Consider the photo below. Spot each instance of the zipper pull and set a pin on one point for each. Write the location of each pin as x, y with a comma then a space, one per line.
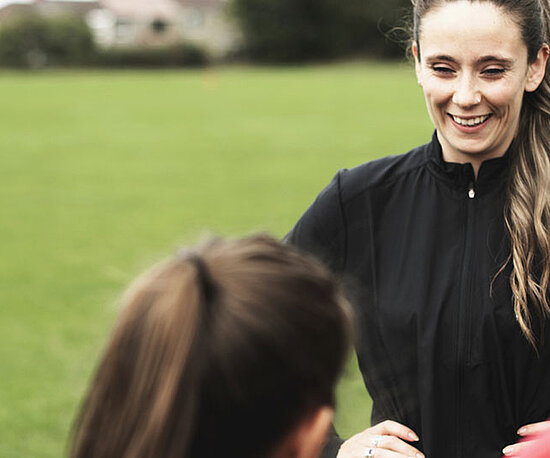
471, 191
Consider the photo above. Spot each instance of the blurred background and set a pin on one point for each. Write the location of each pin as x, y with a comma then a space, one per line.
129, 127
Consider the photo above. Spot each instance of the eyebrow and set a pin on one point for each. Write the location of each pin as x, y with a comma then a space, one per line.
483, 60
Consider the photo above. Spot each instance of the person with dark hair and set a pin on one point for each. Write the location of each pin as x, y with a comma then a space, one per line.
447, 247
230, 349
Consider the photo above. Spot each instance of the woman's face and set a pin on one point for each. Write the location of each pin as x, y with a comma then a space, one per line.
474, 71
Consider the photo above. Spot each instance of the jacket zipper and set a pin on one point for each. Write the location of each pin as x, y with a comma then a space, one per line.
471, 191
463, 325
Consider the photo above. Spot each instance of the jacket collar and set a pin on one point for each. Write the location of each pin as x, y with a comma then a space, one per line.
492, 174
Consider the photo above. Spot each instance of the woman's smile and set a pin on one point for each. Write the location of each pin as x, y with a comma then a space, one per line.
470, 123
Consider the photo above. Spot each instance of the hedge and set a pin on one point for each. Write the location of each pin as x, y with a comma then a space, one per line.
34, 42
298, 30
181, 55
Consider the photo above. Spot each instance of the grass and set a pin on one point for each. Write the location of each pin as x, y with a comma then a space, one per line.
102, 173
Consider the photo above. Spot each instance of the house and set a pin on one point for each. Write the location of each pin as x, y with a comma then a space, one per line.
12, 9
136, 23
210, 24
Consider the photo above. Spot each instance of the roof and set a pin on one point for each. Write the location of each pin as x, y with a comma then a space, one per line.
73, 7
4, 3
203, 4
12, 10
143, 9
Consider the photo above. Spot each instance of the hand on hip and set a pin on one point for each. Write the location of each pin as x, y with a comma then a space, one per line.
388, 439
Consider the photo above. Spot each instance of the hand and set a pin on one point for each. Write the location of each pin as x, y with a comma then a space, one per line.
388, 438
525, 431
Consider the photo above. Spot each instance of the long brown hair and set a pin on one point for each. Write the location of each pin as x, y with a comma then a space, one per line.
219, 350
527, 211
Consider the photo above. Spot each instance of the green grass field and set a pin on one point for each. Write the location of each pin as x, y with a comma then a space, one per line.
102, 173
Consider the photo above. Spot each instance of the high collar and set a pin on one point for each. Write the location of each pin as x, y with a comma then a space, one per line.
491, 176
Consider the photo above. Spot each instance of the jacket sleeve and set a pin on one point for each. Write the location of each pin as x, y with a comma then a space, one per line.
332, 445
321, 231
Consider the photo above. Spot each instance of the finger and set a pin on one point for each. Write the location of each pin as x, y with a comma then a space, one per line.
385, 453
514, 449
534, 428
392, 428
395, 444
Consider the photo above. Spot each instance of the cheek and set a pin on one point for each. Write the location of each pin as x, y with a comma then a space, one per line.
505, 98
436, 104
435, 108
437, 92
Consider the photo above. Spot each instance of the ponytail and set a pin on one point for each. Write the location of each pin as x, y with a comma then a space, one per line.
152, 358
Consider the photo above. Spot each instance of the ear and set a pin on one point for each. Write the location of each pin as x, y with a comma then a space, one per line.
537, 70
417, 65
308, 438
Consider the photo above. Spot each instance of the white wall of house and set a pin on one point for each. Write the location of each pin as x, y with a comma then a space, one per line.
212, 29
111, 30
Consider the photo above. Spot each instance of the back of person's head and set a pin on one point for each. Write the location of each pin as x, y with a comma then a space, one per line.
230, 349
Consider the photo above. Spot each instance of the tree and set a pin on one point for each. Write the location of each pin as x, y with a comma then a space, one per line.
298, 30
33, 42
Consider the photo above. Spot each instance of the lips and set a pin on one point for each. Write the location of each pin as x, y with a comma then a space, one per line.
471, 121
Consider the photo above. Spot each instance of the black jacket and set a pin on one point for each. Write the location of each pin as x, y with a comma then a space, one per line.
418, 243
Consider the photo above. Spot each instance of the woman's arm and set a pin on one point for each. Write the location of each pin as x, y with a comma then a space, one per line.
321, 231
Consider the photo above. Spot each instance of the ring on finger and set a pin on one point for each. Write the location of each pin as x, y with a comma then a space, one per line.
369, 452
376, 440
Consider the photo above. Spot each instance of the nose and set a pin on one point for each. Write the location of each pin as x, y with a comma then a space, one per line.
466, 93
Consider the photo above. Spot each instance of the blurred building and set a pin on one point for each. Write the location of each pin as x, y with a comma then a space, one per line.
142, 23
136, 23
210, 24
13, 9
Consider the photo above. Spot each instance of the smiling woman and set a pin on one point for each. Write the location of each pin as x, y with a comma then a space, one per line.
448, 246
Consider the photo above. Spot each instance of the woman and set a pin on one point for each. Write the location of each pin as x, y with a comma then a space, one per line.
447, 247
231, 349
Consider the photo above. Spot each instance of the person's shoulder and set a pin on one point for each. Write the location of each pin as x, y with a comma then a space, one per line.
381, 172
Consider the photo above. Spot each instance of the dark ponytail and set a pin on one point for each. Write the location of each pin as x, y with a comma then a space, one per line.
130, 408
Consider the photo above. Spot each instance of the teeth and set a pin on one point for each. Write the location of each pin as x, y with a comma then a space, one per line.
470, 122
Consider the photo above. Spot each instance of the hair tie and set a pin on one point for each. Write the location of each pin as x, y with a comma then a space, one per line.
205, 279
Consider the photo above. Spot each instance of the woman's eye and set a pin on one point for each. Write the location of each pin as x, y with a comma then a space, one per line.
442, 70
494, 71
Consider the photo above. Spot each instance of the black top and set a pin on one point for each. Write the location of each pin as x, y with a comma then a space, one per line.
418, 242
